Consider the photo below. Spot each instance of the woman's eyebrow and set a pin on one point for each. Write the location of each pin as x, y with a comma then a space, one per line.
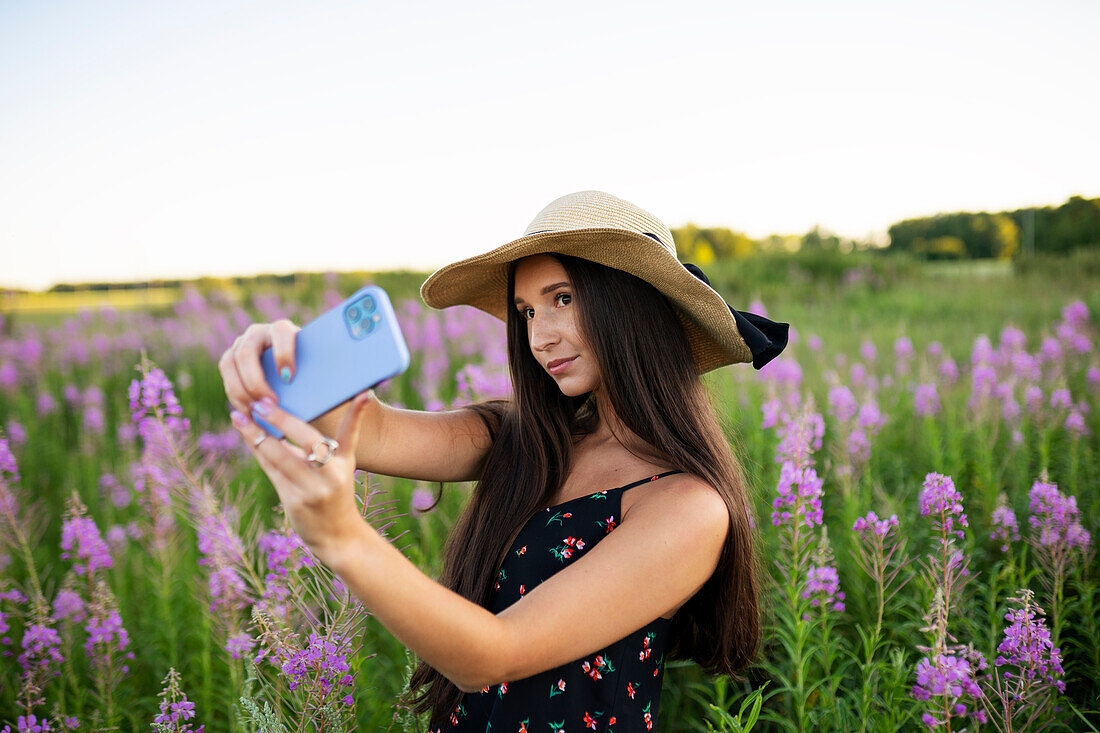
545, 290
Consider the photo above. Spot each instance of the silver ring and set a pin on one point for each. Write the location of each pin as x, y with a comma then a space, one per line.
257, 441
321, 459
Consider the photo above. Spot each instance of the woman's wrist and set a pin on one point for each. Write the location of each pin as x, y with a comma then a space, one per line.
351, 548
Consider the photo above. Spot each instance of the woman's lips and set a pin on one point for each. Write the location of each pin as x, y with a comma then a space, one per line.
559, 365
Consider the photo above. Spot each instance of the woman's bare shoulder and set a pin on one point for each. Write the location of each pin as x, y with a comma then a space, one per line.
681, 490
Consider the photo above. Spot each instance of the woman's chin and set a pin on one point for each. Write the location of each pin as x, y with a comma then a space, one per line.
571, 389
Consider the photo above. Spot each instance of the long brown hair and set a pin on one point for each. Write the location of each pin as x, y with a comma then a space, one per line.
657, 393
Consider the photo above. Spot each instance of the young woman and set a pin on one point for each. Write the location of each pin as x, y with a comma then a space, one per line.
609, 528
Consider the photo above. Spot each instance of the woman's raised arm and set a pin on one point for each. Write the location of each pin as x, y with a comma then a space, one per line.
429, 446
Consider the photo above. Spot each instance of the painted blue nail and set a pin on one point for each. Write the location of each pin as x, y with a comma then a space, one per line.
285, 374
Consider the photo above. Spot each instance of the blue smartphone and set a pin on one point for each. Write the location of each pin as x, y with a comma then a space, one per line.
342, 352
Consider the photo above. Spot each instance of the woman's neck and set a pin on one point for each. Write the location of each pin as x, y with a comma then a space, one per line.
610, 429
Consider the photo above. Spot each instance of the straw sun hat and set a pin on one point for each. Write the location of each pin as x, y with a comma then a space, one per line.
602, 228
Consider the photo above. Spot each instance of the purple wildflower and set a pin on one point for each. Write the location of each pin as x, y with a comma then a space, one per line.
106, 639
926, 400
1028, 667
45, 404
285, 552
940, 497
81, 541
40, 659
875, 551
114, 489
1027, 645
1055, 518
29, 724
320, 665
872, 525
823, 588
1061, 399
422, 500
9, 470
151, 396
799, 436
948, 371
17, 434
175, 708
950, 683
68, 606
240, 644
842, 403
1075, 425
1005, 527
799, 497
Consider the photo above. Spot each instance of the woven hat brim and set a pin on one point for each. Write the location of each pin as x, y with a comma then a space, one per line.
482, 281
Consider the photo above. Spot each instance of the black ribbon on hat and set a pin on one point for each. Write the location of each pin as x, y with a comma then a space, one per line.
766, 339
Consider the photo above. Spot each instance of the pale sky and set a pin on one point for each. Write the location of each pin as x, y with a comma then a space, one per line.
217, 137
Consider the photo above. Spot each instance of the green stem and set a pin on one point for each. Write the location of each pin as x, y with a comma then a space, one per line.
168, 630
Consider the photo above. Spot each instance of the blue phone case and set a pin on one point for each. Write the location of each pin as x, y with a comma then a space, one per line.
339, 354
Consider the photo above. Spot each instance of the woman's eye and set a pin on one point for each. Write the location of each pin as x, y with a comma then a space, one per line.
557, 299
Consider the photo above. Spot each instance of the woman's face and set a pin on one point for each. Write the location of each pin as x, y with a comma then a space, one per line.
545, 300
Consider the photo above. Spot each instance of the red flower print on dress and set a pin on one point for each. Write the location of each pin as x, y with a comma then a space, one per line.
458, 711
567, 515
523, 726
647, 717
608, 524
500, 577
557, 727
565, 550
521, 550
521, 589
598, 667
502, 690
644, 653
558, 688
589, 721
484, 689
632, 688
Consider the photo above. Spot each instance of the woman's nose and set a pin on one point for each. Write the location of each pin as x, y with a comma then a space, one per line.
544, 333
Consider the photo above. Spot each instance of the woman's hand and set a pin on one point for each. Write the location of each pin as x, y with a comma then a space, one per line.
242, 374
319, 500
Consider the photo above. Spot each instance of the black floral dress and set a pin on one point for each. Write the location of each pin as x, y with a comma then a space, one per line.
617, 689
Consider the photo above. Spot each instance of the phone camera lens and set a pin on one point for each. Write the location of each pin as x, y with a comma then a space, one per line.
353, 314
368, 304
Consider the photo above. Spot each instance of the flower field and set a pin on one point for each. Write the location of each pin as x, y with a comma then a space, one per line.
925, 490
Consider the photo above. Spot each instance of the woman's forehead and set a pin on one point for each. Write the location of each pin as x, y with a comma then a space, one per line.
534, 268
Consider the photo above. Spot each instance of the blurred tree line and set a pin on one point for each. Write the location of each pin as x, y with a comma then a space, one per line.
705, 245
1030, 231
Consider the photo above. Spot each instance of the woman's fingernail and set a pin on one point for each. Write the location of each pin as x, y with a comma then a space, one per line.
264, 406
238, 418
285, 374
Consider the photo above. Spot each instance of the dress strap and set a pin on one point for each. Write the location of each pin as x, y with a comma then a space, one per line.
651, 478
